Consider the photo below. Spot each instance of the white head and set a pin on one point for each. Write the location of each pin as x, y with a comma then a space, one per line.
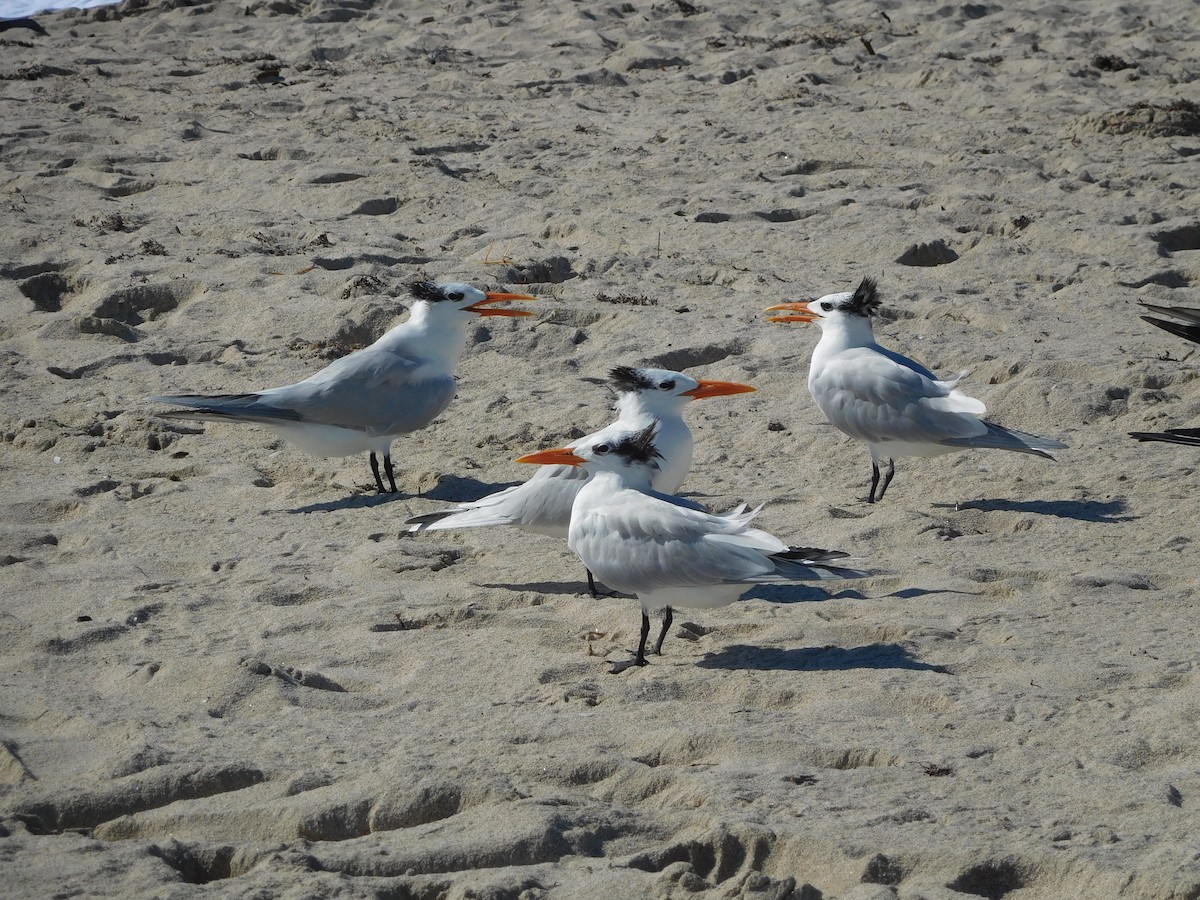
849, 310
663, 392
633, 455
456, 296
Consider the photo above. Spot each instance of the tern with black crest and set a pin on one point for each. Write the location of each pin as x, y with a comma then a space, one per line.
667, 551
362, 402
893, 404
542, 504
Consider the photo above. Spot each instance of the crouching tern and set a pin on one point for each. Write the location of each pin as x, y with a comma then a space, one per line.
543, 503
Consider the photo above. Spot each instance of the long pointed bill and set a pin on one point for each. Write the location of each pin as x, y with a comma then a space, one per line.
482, 307
560, 456
717, 389
800, 309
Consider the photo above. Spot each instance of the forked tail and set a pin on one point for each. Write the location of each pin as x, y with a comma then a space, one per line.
999, 438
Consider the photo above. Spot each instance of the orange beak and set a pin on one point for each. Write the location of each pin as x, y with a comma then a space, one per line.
560, 456
481, 308
800, 309
717, 389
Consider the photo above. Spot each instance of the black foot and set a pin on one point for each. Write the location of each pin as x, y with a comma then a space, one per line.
595, 589
619, 667
391, 474
640, 659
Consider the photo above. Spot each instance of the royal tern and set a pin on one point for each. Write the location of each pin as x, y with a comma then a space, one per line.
665, 550
363, 401
1188, 326
897, 406
543, 503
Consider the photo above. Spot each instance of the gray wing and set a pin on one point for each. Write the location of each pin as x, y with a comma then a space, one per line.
239, 407
873, 398
638, 543
375, 390
1188, 326
1189, 314
999, 438
543, 504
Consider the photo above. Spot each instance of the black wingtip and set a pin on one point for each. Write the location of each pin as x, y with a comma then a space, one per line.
1187, 436
32, 24
1187, 332
811, 554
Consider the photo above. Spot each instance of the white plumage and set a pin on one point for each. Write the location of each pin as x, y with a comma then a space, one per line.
543, 503
362, 402
668, 551
893, 404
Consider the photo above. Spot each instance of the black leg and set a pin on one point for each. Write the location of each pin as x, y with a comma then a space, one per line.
591, 583
668, 615
375, 472
391, 474
641, 654
887, 479
874, 481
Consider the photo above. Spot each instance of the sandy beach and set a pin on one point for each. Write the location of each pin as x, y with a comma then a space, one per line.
226, 669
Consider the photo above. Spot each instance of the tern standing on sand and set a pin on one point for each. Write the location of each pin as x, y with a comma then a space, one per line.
362, 402
893, 404
663, 549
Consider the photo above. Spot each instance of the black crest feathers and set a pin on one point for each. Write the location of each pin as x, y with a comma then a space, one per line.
426, 290
639, 447
627, 379
865, 300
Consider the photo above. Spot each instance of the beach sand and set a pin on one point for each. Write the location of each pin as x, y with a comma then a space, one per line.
226, 670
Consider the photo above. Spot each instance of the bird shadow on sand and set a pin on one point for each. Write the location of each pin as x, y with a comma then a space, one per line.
910, 593
351, 501
799, 593
354, 501
561, 588
1082, 510
453, 489
817, 659
449, 489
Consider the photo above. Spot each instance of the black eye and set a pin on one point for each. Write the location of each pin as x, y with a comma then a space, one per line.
667, 386
601, 449
827, 306
455, 295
